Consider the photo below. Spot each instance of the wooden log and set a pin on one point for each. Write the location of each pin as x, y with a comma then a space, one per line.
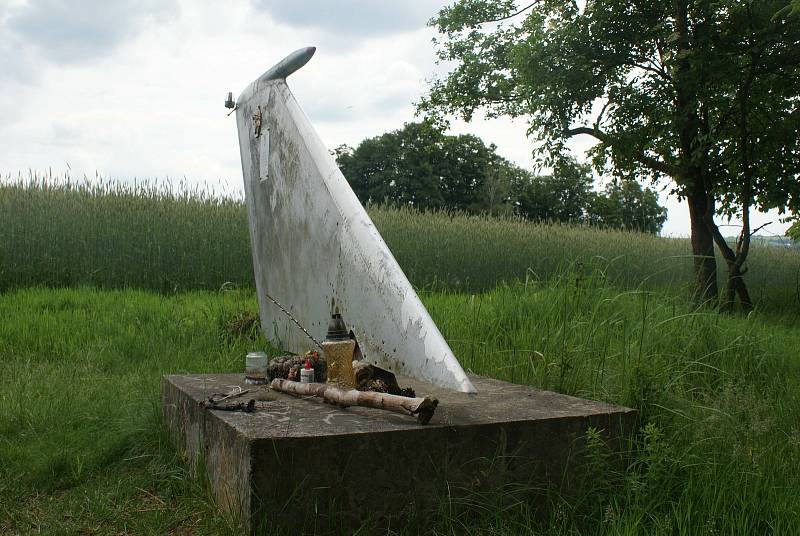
421, 408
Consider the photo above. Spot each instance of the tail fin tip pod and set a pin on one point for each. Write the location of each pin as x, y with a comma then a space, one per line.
289, 64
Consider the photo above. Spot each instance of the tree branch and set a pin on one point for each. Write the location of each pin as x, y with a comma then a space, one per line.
647, 161
723, 246
745, 146
757, 229
600, 115
652, 69
511, 16
654, 66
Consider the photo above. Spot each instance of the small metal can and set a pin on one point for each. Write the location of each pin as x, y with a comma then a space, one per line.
255, 372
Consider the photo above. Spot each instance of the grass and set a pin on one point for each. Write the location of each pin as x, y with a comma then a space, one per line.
597, 314
144, 235
59, 232
81, 445
81, 448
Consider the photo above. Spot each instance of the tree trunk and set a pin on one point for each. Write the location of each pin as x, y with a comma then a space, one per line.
694, 157
735, 259
705, 263
744, 295
736, 286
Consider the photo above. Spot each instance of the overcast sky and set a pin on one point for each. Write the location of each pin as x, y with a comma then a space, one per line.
136, 88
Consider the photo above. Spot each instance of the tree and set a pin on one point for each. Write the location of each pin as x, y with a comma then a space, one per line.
562, 196
501, 181
626, 205
793, 231
703, 93
567, 196
421, 166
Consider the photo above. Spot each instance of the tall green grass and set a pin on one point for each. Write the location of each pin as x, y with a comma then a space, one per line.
594, 313
473, 253
59, 232
718, 449
81, 445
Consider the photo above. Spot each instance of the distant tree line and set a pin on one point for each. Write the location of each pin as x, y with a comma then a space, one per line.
423, 167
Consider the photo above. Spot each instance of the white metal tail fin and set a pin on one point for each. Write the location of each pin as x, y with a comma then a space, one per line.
315, 247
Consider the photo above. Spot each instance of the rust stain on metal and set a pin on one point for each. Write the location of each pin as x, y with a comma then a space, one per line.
257, 123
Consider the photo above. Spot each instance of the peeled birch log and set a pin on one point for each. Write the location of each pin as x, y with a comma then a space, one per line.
421, 408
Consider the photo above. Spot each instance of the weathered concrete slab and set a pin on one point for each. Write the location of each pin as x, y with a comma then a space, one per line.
296, 459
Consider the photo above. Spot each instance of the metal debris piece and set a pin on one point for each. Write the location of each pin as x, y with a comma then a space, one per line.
247, 407
372, 378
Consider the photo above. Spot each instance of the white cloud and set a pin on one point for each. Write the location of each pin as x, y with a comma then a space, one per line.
64, 31
148, 102
353, 17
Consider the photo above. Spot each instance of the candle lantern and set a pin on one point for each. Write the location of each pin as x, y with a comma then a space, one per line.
338, 348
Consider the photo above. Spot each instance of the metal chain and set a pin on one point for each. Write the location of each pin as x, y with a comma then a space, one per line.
293, 319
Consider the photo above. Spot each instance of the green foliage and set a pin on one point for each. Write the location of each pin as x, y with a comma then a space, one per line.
422, 167
791, 9
557, 64
60, 232
793, 232
567, 196
564, 196
704, 93
81, 439
718, 448
626, 205
472, 253
81, 444
718, 439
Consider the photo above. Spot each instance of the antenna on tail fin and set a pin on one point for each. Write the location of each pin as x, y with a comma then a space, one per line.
280, 70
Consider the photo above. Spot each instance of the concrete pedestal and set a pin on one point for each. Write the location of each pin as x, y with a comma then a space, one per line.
306, 465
